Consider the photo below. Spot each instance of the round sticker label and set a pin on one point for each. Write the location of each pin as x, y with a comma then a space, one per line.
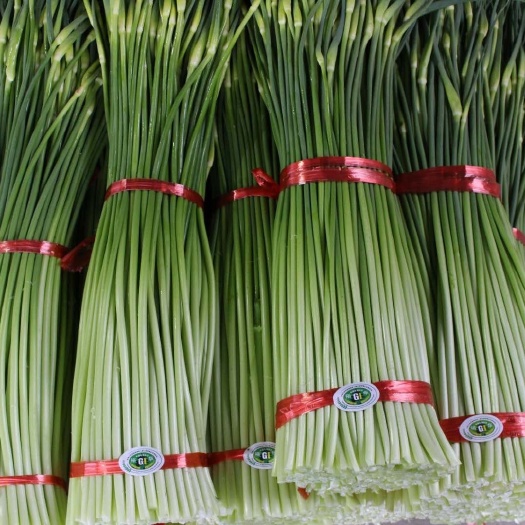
141, 461
356, 397
260, 455
480, 428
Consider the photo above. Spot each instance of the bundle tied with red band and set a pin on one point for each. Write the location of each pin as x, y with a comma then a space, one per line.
359, 314
454, 158
149, 314
242, 406
481, 326
155, 469
53, 132
345, 304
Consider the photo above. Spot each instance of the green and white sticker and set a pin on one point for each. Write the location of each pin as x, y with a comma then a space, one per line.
260, 455
141, 461
481, 428
356, 397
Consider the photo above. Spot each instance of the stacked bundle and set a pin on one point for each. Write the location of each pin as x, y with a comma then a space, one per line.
50, 137
242, 407
476, 276
147, 327
346, 302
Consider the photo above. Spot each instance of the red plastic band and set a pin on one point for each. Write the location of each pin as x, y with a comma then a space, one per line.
520, 236
513, 426
188, 460
38, 479
103, 468
303, 493
39, 247
168, 188
266, 187
337, 169
214, 458
292, 407
474, 179
78, 258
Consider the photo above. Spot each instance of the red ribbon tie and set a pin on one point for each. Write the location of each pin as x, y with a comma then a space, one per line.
474, 179
337, 169
161, 186
35, 479
266, 187
214, 458
297, 405
82, 469
39, 247
78, 258
519, 235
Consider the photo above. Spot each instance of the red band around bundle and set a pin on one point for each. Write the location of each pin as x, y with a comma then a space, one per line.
513, 426
78, 258
39, 247
292, 407
168, 188
266, 187
303, 493
474, 179
214, 458
520, 236
38, 479
337, 169
103, 468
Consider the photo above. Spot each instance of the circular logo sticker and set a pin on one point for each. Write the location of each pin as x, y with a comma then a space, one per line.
260, 455
356, 397
141, 461
480, 428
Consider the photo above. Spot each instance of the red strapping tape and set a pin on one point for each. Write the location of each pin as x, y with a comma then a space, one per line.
266, 187
398, 391
513, 426
103, 468
78, 258
520, 236
188, 460
37, 479
303, 493
168, 188
214, 458
39, 247
337, 169
475, 179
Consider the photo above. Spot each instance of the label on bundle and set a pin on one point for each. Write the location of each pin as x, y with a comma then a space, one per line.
356, 397
260, 455
480, 428
141, 461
